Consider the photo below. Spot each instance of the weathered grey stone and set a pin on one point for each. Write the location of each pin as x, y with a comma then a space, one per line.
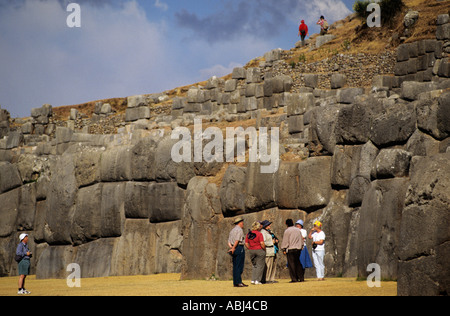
403, 52
27, 207
137, 202
394, 125
112, 209
10, 205
232, 191
323, 39
360, 175
341, 165
426, 208
443, 32
299, 103
95, 257
353, 124
420, 144
287, 185
273, 55
311, 80
315, 183
15, 139
166, 202
348, 95
137, 101
87, 165
115, 164
239, 73
338, 81
253, 75
412, 89
391, 163
295, 124
87, 220
61, 199
230, 85
259, 188
202, 200
443, 19
143, 156
137, 113
9, 177
53, 262
433, 117
379, 226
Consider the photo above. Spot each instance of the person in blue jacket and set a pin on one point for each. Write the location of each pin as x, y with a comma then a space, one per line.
23, 255
305, 259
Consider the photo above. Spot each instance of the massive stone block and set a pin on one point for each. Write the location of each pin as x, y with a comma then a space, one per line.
314, 183
9, 177
232, 191
61, 199
134, 252
423, 265
393, 125
112, 209
166, 202
87, 219
259, 188
116, 164
379, 226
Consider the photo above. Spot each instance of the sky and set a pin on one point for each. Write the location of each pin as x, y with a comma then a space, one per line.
130, 47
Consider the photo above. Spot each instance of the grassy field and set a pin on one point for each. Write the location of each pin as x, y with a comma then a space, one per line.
170, 285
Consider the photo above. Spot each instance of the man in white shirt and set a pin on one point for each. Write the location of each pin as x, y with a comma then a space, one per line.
318, 252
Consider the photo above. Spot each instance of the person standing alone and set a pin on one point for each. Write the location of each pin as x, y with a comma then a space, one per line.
236, 244
23, 255
303, 31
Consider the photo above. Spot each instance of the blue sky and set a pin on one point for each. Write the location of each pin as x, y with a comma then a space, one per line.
129, 47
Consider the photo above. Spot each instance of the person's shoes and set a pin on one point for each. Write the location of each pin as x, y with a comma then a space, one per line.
257, 283
240, 285
23, 292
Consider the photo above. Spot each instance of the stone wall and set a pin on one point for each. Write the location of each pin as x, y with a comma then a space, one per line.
371, 165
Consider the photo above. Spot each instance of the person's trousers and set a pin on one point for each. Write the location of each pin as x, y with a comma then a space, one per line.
318, 263
238, 264
258, 258
270, 269
296, 271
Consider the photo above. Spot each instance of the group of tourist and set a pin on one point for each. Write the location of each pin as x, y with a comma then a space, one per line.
263, 246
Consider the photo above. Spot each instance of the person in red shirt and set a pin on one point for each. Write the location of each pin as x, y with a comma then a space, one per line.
303, 31
254, 241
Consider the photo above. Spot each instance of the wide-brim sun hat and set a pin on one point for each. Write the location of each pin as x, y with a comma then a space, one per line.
22, 236
238, 220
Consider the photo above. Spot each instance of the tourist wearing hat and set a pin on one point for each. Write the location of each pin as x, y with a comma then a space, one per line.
318, 251
23, 255
269, 240
236, 244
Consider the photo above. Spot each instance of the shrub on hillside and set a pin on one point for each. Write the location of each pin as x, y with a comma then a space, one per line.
389, 9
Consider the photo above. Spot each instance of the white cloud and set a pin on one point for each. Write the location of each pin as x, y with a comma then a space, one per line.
161, 5
117, 52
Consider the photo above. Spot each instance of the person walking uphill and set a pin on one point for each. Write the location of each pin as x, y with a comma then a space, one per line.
236, 244
323, 25
292, 245
257, 249
23, 255
303, 31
